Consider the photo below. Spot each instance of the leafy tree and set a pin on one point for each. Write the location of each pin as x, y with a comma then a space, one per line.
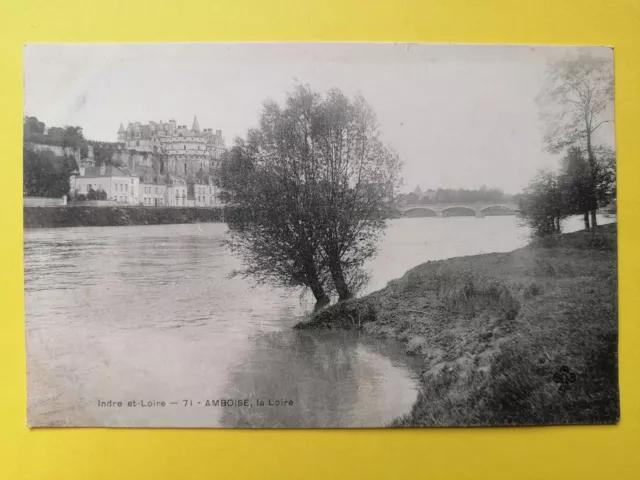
605, 174
96, 194
577, 177
576, 182
575, 102
73, 137
314, 183
103, 153
543, 204
34, 132
32, 126
56, 135
270, 228
357, 176
45, 174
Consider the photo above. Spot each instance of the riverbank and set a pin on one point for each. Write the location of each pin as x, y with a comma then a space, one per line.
83, 216
493, 330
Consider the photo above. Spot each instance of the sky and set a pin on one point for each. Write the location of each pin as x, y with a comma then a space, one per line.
459, 116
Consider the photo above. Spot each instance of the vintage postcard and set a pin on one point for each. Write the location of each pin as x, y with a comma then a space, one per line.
319, 235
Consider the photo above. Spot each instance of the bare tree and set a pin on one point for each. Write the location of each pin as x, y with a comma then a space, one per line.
314, 183
575, 102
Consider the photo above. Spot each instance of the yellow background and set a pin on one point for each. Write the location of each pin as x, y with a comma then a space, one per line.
516, 453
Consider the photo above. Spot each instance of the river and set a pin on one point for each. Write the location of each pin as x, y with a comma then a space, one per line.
148, 314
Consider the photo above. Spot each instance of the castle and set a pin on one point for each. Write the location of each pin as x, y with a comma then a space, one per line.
157, 164
185, 150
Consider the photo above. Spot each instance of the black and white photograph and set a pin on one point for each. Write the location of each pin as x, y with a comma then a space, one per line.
319, 235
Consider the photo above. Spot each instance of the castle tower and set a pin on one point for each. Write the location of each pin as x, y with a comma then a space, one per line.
196, 125
122, 134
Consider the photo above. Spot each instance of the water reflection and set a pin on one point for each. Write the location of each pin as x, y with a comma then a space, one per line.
332, 379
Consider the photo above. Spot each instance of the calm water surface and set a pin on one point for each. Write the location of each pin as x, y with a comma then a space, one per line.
148, 313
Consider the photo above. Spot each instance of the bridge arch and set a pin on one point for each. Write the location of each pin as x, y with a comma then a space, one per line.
421, 211
498, 209
458, 211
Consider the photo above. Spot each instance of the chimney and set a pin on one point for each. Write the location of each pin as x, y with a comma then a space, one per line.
103, 169
82, 170
218, 133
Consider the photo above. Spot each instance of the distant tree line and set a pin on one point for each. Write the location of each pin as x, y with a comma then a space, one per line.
460, 195
575, 102
34, 132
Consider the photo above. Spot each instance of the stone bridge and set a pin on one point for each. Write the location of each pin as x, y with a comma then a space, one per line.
441, 210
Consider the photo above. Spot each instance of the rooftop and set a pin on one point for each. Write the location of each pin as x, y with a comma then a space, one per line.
109, 171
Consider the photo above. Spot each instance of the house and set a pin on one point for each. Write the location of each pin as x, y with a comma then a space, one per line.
120, 184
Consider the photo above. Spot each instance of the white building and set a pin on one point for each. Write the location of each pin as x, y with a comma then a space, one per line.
176, 194
153, 194
119, 184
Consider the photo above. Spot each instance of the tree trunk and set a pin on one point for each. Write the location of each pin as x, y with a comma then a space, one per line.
558, 224
339, 281
321, 303
316, 287
322, 300
593, 194
586, 220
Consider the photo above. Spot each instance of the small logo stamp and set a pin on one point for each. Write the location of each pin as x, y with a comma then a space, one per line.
564, 377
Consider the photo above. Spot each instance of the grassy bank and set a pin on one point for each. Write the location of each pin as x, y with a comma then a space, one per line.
72, 216
494, 329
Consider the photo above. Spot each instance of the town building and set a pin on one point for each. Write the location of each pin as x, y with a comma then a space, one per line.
119, 184
169, 164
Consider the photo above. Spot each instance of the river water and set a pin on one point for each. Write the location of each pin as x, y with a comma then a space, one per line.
148, 314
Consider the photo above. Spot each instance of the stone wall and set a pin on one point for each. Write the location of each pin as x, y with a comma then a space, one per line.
82, 216
57, 150
44, 201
